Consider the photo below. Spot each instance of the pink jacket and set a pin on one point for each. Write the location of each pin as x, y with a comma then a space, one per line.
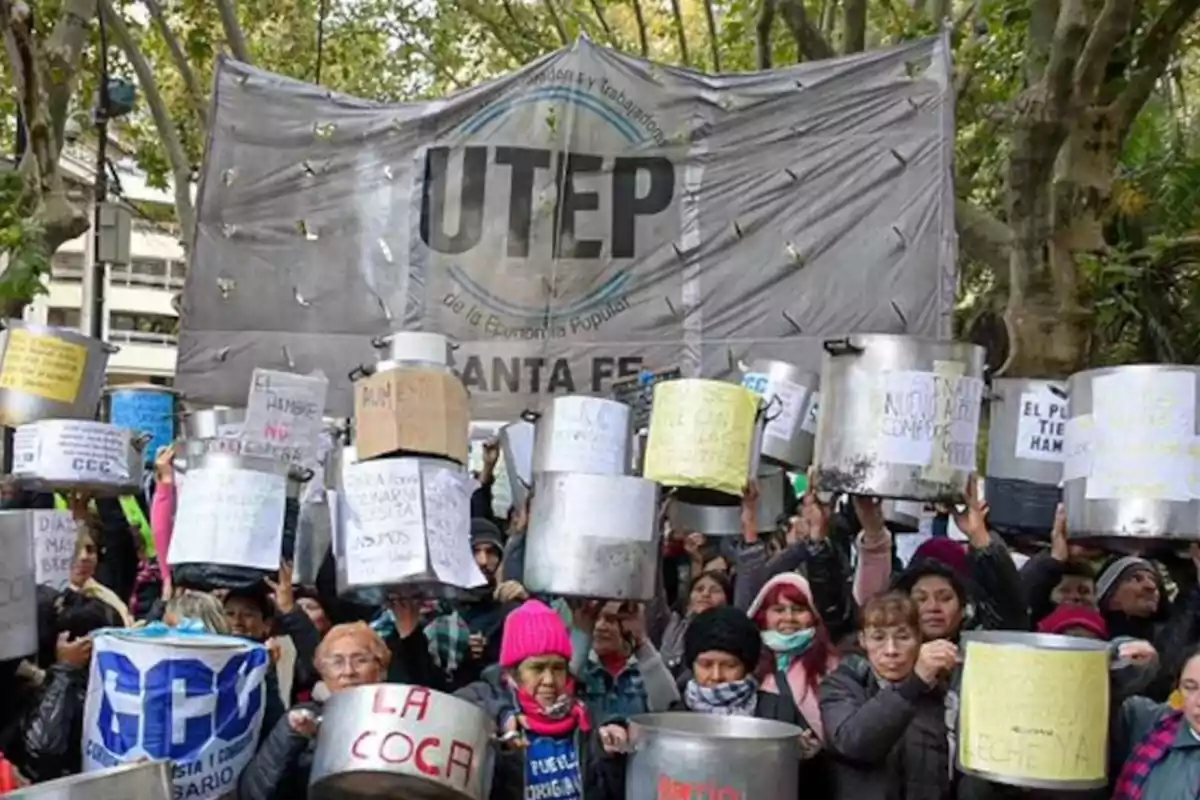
874, 570
162, 520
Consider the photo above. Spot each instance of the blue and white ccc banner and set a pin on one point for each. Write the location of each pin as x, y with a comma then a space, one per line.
192, 697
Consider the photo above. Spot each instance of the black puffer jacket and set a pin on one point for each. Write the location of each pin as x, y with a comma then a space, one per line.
50, 741
888, 742
281, 767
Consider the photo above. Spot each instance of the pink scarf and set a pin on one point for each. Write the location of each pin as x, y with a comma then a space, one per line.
807, 701
561, 719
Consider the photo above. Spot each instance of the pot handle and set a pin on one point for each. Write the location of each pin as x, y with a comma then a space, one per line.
842, 347
380, 342
1058, 392
304, 474
529, 415
140, 441
775, 403
110, 348
359, 372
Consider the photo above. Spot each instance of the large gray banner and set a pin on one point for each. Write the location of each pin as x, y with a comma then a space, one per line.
570, 224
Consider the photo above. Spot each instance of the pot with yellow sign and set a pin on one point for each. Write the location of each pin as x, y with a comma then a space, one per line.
50, 373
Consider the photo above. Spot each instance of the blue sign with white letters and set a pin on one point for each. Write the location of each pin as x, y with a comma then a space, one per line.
145, 411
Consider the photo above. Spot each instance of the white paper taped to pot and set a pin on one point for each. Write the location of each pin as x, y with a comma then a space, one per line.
790, 406
55, 534
382, 522
286, 411
927, 420
1077, 447
586, 434
229, 516
1041, 426
447, 493
72, 451
18, 596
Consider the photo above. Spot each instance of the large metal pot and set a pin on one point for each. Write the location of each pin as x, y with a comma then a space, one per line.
18, 600
581, 434
50, 373
683, 754
404, 529
899, 416
218, 422
64, 455
234, 521
516, 448
1058, 721
150, 780
704, 435
726, 520
412, 347
1026, 425
902, 516
786, 440
143, 408
593, 536
394, 740
1128, 474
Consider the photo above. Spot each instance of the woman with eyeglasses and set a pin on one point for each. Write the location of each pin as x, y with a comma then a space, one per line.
350, 655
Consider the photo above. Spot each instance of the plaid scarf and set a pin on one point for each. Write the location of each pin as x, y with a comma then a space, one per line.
1146, 756
733, 699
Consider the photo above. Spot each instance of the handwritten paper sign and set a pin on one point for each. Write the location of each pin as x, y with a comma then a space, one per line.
447, 492
929, 419
587, 434
54, 536
18, 601
70, 451
145, 411
383, 524
701, 433
789, 403
229, 516
1041, 426
1051, 721
43, 366
1145, 424
285, 411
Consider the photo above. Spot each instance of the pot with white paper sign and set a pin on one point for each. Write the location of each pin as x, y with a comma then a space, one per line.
789, 436
1129, 474
593, 536
234, 521
582, 434
899, 416
50, 373
218, 430
516, 448
394, 740
404, 529
18, 586
1027, 421
73, 455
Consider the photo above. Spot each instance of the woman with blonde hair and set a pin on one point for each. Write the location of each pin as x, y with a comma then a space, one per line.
200, 606
350, 655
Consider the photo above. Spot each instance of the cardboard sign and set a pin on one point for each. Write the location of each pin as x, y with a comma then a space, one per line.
43, 366
229, 516
285, 411
55, 534
145, 412
70, 451
18, 600
195, 699
411, 410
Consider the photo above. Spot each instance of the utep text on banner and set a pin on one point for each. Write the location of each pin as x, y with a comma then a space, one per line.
573, 223
194, 698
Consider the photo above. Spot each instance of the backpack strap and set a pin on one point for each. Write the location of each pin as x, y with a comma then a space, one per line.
788, 711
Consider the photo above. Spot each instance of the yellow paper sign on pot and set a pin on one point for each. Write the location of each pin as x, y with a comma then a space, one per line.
43, 366
1032, 713
701, 435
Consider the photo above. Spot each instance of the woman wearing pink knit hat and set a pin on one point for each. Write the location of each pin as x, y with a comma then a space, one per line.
549, 746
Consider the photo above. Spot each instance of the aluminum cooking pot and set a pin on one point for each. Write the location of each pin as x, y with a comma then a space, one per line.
581, 434
393, 740
899, 417
66, 455
145, 781
726, 520
407, 350
787, 438
682, 754
50, 373
1126, 479
18, 588
143, 408
516, 447
1027, 422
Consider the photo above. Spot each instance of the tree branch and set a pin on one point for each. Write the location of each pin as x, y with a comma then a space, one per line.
179, 58
854, 26
518, 26
608, 32
233, 31
563, 36
983, 238
640, 18
497, 34
62, 52
1112, 25
181, 168
681, 32
762, 31
1153, 55
713, 40
809, 41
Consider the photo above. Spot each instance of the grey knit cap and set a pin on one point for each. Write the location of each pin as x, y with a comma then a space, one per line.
1114, 572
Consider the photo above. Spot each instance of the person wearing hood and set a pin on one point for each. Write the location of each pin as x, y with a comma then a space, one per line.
350, 655
464, 636
550, 747
724, 648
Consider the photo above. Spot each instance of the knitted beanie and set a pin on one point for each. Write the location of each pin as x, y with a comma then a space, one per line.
533, 629
724, 629
951, 553
484, 532
1071, 616
1116, 571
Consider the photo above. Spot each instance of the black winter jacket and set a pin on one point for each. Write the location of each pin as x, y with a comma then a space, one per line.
281, 767
50, 744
